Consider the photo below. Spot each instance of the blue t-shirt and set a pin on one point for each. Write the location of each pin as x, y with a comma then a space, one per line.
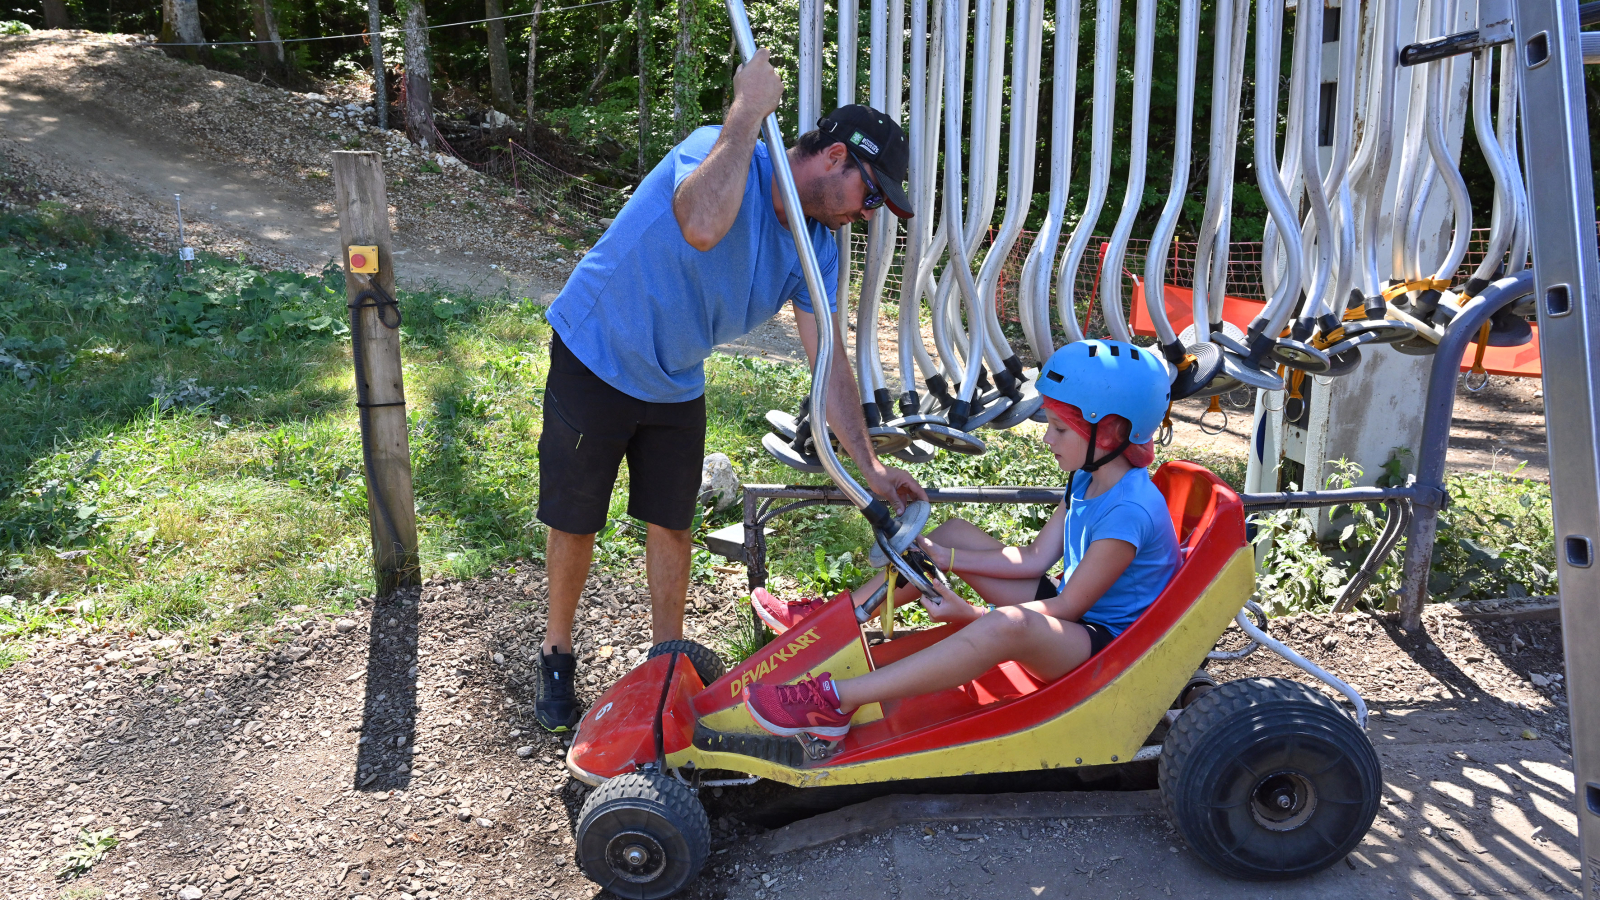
1133, 511
644, 308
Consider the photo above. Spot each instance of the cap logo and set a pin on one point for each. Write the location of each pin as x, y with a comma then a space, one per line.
864, 142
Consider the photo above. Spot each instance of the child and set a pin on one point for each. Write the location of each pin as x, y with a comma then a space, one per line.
1104, 401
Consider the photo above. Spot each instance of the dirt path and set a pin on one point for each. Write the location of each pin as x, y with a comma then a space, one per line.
391, 752
117, 130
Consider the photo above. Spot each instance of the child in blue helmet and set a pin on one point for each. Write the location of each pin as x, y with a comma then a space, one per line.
1104, 401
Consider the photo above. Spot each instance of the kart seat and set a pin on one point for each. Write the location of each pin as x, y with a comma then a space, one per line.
1209, 521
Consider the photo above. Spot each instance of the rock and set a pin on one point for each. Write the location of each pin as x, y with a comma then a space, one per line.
1539, 680
483, 823
499, 659
295, 654
230, 873
1528, 734
524, 752
344, 626
719, 484
191, 893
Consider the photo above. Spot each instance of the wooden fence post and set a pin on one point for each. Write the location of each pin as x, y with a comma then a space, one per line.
375, 345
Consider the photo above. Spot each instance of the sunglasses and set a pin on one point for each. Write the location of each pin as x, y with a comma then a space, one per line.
874, 197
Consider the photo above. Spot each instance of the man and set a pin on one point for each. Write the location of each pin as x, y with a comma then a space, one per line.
699, 256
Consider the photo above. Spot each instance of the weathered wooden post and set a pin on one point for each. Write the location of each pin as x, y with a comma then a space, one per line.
364, 241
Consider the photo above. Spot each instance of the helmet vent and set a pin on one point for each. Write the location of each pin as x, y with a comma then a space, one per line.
1134, 354
1054, 376
1114, 350
1094, 350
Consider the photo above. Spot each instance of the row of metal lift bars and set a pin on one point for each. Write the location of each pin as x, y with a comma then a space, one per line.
1329, 293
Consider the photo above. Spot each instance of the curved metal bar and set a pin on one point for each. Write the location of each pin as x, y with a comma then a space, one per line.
1374, 158
1509, 105
1037, 271
1276, 646
1440, 75
1314, 281
846, 95
919, 234
1255, 610
1435, 441
1144, 43
1501, 225
1273, 247
959, 260
1027, 34
881, 227
1337, 184
1411, 159
1264, 329
858, 495
1106, 24
1155, 264
1211, 255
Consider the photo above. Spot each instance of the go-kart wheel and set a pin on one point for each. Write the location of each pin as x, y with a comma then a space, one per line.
1268, 779
643, 836
707, 664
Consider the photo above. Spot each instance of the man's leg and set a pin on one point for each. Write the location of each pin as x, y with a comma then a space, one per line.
666, 554
567, 558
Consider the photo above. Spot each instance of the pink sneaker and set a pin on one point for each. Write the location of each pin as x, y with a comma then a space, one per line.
779, 615
810, 705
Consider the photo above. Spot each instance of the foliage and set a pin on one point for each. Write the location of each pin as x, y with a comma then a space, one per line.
1494, 539
740, 640
827, 577
91, 848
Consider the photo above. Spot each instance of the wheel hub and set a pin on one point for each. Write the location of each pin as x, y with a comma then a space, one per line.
636, 857
1283, 801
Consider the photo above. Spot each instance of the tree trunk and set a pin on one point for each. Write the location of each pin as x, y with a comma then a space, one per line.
419, 91
380, 90
180, 23
687, 70
55, 14
267, 30
499, 67
641, 28
604, 69
533, 58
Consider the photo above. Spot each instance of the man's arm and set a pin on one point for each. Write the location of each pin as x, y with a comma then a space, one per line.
707, 201
845, 419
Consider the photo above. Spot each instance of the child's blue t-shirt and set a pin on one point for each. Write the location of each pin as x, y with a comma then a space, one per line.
644, 307
1133, 511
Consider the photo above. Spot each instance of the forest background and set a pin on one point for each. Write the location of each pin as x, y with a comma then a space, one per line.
592, 113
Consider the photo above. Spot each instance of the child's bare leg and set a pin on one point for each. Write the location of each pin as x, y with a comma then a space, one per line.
1047, 646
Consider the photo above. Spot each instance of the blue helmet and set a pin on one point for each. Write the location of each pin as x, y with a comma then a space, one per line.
1101, 377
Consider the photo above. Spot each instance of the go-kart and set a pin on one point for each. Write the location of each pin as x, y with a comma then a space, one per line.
1265, 778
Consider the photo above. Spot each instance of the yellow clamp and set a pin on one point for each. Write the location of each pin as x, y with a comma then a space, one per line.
1421, 284
886, 615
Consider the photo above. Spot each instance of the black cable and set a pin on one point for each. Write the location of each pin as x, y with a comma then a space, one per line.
383, 302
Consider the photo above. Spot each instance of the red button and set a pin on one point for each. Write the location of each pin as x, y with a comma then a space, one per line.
358, 260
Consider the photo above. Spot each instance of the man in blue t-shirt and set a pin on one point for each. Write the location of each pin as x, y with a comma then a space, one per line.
699, 256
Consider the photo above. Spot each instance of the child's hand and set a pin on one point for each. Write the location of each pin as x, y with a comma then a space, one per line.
953, 609
939, 556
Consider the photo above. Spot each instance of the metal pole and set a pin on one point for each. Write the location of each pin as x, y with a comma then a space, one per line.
876, 511
1566, 275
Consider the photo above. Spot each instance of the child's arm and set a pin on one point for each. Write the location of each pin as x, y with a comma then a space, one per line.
1007, 562
1103, 563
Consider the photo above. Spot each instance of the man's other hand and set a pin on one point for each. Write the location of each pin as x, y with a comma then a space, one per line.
896, 486
757, 89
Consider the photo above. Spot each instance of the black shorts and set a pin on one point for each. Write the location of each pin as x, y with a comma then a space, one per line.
590, 426
1099, 635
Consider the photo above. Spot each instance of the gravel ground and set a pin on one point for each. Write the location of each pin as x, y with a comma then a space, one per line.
390, 753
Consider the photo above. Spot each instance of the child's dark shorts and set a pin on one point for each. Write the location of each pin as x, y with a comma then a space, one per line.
1099, 635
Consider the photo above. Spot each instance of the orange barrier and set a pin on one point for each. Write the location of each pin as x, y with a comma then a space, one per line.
1518, 362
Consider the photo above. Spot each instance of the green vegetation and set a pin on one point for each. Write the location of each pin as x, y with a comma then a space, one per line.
92, 847
182, 453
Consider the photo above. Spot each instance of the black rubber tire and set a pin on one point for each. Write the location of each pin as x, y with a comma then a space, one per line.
1269, 739
707, 664
650, 815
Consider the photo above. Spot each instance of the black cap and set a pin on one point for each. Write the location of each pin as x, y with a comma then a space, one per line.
879, 141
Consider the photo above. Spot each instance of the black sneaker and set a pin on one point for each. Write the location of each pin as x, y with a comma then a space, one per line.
556, 706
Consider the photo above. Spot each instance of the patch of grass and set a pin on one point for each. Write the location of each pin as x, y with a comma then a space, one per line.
741, 641
92, 847
10, 655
